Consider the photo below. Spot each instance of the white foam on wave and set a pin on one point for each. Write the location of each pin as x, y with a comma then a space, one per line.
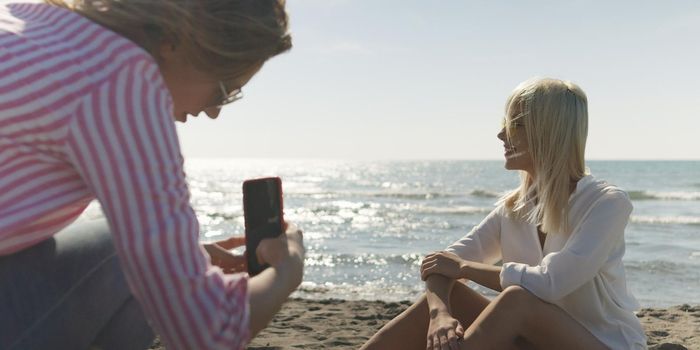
667, 220
368, 290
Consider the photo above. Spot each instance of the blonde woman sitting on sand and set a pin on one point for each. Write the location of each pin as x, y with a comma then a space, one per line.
560, 236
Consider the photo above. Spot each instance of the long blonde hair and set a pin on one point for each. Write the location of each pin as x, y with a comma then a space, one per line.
555, 116
222, 37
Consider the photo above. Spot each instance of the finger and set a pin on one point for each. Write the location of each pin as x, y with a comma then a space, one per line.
422, 267
259, 252
444, 344
428, 256
452, 339
238, 241
426, 264
459, 331
436, 342
427, 261
231, 243
272, 251
233, 261
437, 258
289, 227
431, 270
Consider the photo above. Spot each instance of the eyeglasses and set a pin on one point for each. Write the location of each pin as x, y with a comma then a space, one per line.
228, 97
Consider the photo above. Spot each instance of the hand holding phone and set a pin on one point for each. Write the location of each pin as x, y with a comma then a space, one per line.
264, 217
275, 251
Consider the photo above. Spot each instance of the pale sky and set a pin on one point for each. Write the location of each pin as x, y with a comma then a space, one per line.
420, 79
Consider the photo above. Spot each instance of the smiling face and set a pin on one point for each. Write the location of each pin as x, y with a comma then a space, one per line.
515, 143
194, 91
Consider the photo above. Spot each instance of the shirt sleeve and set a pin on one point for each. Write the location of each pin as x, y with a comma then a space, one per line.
123, 143
584, 254
483, 243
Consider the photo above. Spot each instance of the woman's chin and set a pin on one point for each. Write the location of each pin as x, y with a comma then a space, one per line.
511, 165
508, 164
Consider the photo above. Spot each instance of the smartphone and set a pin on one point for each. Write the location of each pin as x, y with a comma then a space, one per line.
263, 214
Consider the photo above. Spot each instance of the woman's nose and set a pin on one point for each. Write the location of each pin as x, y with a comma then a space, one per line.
502, 134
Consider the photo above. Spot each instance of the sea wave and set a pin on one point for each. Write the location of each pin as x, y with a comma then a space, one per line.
411, 195
456, 210
485, 194
649, 195
667, 220
378, 289
371, 290
658, 267
333, 260
399, 195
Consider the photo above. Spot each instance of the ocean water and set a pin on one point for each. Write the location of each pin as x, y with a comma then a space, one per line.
368, 224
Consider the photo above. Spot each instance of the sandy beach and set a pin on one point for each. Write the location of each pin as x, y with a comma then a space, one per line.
340, 324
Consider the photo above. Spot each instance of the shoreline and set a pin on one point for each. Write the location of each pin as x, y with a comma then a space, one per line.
344, 324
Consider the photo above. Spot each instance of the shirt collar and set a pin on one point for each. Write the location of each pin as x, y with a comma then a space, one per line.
581, 185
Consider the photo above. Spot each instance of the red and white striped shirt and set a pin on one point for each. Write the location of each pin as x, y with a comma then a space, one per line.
85, 114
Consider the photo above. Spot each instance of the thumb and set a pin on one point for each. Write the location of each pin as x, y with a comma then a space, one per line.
259, 253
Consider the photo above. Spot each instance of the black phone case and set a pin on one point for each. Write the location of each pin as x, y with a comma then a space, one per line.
269, 230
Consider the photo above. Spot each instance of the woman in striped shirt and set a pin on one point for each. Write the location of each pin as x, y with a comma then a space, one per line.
88, 93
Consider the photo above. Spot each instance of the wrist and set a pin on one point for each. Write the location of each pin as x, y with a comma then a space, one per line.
464, 268
438, 312
292, 267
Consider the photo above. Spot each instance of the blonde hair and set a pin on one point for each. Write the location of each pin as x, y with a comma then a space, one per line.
223, 37
554, 114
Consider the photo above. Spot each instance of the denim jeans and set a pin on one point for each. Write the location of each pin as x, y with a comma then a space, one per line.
69, 292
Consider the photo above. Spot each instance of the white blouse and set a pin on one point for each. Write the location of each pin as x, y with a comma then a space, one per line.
581, 271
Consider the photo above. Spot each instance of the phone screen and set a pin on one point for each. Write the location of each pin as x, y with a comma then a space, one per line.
262, 210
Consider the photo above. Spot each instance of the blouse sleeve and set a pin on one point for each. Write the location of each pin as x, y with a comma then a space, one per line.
123, 143
483, 243
584, 254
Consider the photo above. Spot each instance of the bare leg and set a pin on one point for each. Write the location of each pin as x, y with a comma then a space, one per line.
518, 313
409, 329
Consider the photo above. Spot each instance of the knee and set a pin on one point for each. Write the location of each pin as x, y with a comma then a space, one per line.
127, 329
87, 241
516, 292
517, 297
